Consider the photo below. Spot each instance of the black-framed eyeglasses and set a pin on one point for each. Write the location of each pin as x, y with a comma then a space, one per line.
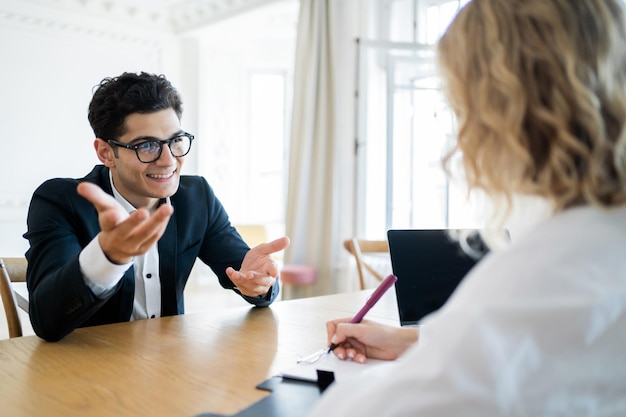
150, 150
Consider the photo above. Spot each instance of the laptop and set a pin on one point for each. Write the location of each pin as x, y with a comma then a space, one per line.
429, 264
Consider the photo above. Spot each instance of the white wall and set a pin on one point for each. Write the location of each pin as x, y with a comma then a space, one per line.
51, 60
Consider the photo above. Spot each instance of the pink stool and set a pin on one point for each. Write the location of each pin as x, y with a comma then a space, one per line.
296, 278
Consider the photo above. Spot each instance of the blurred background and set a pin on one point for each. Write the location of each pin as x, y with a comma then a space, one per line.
319, 119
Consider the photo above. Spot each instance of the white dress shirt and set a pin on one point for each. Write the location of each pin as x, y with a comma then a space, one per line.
537, 329
101, 275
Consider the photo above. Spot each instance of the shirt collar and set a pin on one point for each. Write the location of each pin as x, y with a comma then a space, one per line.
125, 204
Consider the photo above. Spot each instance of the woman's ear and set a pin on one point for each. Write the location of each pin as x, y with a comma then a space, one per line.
106, 153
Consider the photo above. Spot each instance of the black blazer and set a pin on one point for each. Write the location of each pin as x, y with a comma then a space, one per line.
61, 223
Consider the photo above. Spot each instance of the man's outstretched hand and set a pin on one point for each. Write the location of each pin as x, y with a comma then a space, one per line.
124, 236
258, 270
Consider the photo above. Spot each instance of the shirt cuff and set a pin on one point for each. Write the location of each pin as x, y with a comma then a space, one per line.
100, 274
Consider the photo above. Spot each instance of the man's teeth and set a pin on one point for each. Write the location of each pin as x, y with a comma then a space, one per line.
160, 176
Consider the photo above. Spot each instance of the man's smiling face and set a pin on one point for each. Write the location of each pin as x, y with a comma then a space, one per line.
139, 183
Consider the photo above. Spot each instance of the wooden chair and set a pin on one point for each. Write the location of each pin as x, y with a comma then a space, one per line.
11, 270
359, 248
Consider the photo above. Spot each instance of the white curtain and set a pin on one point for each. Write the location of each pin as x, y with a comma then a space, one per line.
321, 168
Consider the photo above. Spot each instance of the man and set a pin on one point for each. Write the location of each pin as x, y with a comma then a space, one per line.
120, 243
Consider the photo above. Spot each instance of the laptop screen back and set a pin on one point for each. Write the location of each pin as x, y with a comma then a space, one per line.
429, 264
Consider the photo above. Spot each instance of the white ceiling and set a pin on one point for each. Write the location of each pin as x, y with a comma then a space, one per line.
178, 16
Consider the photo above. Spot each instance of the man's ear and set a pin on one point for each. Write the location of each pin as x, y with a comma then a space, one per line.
105, 152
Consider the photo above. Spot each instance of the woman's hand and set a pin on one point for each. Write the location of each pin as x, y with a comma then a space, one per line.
368, 340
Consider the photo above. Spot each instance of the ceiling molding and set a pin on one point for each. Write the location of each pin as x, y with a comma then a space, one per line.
39, 16
164, 16
190, 15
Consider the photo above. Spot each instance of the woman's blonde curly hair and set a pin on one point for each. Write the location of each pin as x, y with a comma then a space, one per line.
539, 89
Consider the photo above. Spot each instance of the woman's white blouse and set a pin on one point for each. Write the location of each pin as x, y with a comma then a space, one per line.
537, 329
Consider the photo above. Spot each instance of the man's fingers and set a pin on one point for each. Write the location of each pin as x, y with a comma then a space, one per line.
101, 200
110, 212
251, 277
250, 283
272, 247
258, 269
110, 219
143, 230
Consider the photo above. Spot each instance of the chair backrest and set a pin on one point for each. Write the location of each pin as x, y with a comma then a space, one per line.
359, 248
11, 270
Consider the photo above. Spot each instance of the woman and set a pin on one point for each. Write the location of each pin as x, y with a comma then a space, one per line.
538, 328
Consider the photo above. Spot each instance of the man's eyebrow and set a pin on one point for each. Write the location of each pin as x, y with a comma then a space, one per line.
140, 139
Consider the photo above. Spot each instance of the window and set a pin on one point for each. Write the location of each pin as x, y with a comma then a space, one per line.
404, 126
266, 139
246, 72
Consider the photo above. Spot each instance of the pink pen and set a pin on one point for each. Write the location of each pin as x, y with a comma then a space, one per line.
371, 301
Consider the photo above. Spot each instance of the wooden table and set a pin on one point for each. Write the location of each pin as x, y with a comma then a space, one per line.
172, 366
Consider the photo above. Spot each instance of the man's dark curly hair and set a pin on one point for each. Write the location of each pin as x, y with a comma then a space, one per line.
116, 98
